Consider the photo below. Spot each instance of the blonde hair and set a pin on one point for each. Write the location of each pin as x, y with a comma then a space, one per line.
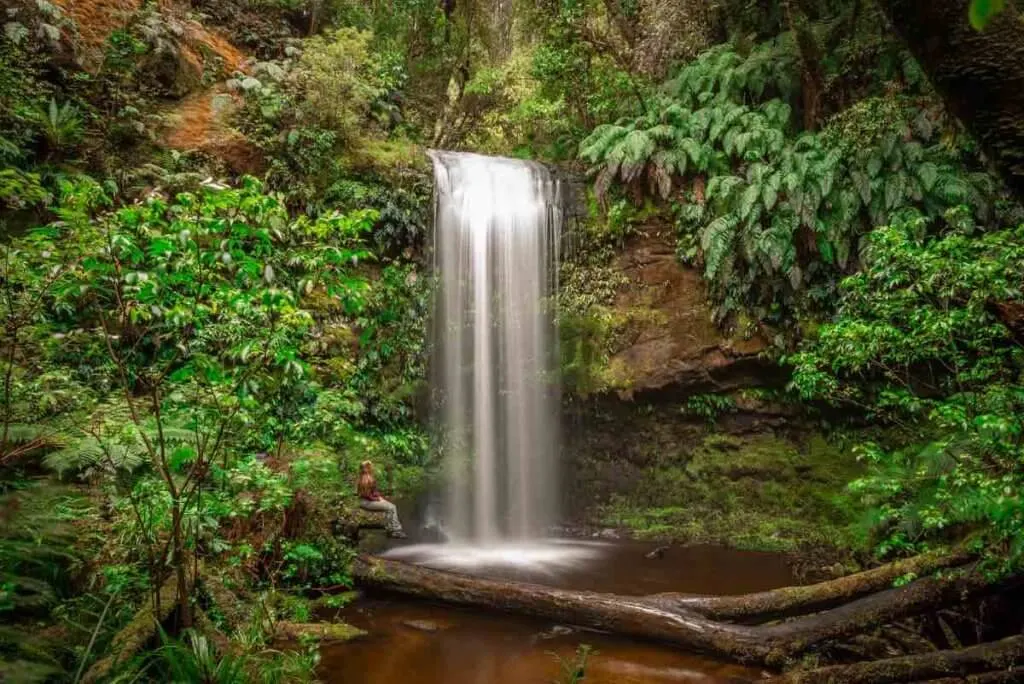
366, 483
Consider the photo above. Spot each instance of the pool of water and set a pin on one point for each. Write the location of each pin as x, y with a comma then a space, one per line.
416, 642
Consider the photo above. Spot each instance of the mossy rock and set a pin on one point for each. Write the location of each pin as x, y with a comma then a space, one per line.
759, 491
351, 521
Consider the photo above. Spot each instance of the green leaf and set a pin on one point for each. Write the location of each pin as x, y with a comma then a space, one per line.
874, 165
795, 277
693, 150
637, 148
750, 197
716, 242
863, 185
182, 374
825, 248
928, 173
894, 191
181, 456
770, 191
982, 12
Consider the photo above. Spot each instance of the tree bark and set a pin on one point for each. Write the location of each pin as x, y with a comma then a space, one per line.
997, 659
800, 600
1012, 676
654, 618
980, 74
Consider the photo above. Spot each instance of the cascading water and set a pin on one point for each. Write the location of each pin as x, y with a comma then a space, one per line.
497, 235
497, 231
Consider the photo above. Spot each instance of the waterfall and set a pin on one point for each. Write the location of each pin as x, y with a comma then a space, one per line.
497, 231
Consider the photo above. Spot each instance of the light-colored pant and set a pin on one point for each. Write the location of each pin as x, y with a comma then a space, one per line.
391, 522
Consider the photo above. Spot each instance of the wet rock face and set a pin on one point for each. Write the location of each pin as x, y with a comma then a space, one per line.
671, 344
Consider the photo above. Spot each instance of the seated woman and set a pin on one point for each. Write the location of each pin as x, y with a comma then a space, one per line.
371, 500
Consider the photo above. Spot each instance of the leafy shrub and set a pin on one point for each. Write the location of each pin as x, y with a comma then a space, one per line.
339, 82
918, 341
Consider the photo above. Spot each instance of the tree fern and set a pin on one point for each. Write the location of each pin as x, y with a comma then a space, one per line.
717, 242
637, 148
111, 443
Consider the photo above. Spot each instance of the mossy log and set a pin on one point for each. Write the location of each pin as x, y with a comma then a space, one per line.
650, 617
231, 607
325, 631
140, 631
205, 626
800, 600
988, 662
1014, 675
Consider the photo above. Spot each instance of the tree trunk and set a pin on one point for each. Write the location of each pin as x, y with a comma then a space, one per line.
800, 600
1011, 676
812, 76
980, 74
655, 618
997, 658
180, 563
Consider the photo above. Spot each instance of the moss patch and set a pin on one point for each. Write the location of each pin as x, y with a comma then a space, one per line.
754, 492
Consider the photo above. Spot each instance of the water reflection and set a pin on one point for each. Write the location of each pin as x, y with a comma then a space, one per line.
448, 646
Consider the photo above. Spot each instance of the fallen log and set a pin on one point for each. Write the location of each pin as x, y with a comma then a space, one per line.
800, 634
800, 600
325, 631
140, 631
609, 612
1012, 676
644, 617
986, 661
205, 626
234, 610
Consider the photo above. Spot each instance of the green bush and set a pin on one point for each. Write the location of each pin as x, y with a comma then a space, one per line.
918, 342
339, 82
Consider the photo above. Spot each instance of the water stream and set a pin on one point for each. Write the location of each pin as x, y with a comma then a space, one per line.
497, 231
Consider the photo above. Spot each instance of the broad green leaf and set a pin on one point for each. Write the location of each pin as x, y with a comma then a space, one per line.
981, 12
928, 173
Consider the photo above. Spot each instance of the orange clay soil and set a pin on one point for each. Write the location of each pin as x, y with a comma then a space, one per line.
97, 19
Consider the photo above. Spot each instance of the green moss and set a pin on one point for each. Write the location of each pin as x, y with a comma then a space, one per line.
753, 492
589, 342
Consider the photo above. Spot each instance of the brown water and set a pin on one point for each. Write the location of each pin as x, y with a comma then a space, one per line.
414, 642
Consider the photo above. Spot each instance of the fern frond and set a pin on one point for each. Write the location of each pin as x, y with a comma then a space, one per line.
637, 148
716, 241
22, 433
